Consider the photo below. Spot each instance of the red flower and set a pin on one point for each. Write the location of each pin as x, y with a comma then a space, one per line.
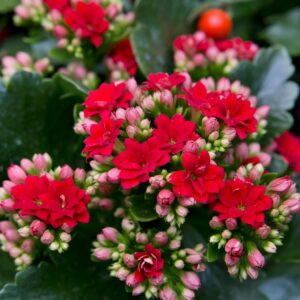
200, 178
241, 199
87, 19
161, 81
138, 160
235, 111
123, 54
54, 202
107, 98
288, 145
174, 132
150, 264
59, 5
103, 137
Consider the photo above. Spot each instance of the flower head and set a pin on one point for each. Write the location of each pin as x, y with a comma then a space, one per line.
88, 20
161, 81
200, 178
241, 199
107, 98
59, 5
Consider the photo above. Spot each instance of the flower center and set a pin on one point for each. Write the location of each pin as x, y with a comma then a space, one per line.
38, 202
241, 207
63, 201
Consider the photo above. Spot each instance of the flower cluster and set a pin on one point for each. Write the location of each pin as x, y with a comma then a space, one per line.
23, 61
121, 62
42, 206
152, 262
203, 56
74, 23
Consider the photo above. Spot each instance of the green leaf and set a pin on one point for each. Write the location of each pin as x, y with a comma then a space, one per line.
7, 270
213, 253
142, 209
8, 5
278, 164
36, 117
158, 23
267, 178
69, 86
73, 277
284, 30
267, 78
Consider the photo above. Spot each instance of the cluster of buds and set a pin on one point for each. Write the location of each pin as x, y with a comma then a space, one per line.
73, 22
202, 56
241, 242
43, 206
24, 62
80, 73
153, 263
121, 62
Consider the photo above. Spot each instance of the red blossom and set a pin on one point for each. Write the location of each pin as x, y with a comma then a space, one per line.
241, 199
150, 264
54, 202
161, 81
200, 178
288, 145
59, 5
88, 21
123, 54
102, 137
174, 132
107, 98
138, 160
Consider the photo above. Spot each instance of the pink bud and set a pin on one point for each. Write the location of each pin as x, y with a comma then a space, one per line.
27, 165
231, 223
215, 223
65, 172
132, 115
281, 185
131, 280
166, 98
40, 162
175, 244
131, 85
132, 131
162, 211
229, 133
37, 228
102, 254
191, 146
42, 65
194, 259
182, 211
12, 235
23, 12
79, 175
223, 84
24, 59
16, 174
141, 238
65, 237
129, 260
188, 80
161, 238
187, 201
252, 272
60, 31
111, 234
191, 280
148, 103
156, 281
293, 205
8, 185
263, 231
167, 294
230, 261
256, 259
106, 204
5, 225
242, 151
234, 247
127, 224
157, 181
47, 237
28, 245
122, 274
275, 199
165, 197
113, 175
7, 205
264, 158
210, 125
65, 227
262, 112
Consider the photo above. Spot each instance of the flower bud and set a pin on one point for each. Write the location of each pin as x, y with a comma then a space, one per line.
28, 246
215, 223
242, 151
40, 162
263, 231
187, 294
165, 197
166, 98
194, 259
37, 228
230, 261
231, 223
234, 247
7, 205
12, 235
167, 294
141, 238
162, 211
270, 247
65, 172
187, 201
23, 59
191, 280
138, 290
65, 237
113, 175
102, 254
131, 281
157, 181
129, 260
256, 259
47, 237
252, 272
175, 244
16, 174
161, 238
210, 125
105, 204
156, 281
122, 274
111, 234
281, 185
191, 146
27, 165
127, 225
